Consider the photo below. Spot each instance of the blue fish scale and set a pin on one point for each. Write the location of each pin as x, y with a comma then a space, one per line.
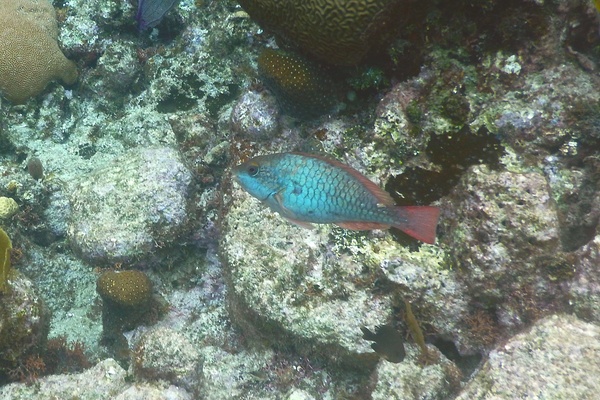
313, 190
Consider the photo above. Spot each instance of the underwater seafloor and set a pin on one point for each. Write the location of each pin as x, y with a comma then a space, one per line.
140, 271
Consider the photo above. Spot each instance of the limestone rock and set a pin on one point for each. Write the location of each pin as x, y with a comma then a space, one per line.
503, 232
585, 288
556, 359
306, 288
24, 323
103, 381
412, 379
162, 353
126, 209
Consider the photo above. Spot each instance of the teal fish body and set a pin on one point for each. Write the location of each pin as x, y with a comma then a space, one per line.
312, 189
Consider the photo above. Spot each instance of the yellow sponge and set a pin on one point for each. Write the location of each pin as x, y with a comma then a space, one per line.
29, 52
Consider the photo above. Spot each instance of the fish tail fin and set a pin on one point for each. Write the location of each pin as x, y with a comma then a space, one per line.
419, 222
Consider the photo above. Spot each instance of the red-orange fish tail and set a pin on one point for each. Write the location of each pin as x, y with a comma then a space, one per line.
419, 222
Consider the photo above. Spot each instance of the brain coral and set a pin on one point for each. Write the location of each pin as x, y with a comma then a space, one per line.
301, 88
29, 52
335, 31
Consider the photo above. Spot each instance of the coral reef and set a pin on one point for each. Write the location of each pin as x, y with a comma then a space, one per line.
29, 52
312, 300
315, 294
488, 111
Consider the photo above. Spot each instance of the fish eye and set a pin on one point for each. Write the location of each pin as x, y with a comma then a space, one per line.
252, 170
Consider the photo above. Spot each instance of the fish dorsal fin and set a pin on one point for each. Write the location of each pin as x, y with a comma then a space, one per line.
384, 197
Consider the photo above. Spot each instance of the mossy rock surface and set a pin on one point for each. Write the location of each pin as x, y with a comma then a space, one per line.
24, 323
306, 289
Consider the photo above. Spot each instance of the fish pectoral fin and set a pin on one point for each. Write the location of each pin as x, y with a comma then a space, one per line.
279, 198
287, 214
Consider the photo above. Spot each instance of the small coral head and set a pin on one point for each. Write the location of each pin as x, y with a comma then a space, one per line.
124, 288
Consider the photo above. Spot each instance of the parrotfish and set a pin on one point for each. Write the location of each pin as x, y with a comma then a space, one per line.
305, 189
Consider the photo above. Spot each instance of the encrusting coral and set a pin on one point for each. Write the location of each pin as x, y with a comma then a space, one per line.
29, 54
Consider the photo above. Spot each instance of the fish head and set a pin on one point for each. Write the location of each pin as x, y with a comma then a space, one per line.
257, 177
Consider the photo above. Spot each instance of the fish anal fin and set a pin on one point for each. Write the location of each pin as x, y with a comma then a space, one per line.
362, 226
302, 224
